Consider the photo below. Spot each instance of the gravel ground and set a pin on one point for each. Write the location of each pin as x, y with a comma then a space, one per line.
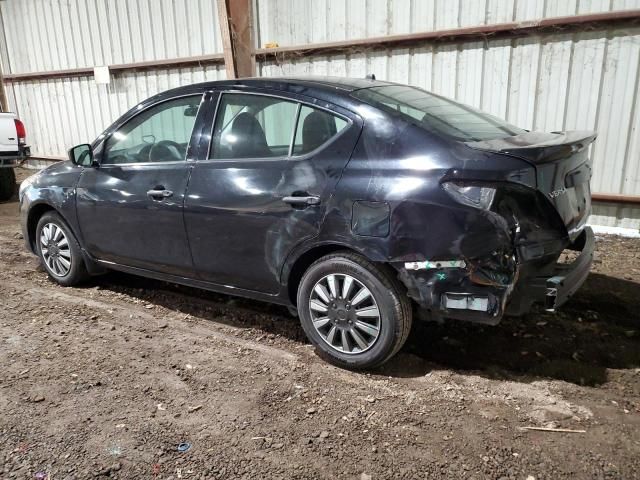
109, 379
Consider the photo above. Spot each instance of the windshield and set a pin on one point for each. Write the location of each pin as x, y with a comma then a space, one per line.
437, 114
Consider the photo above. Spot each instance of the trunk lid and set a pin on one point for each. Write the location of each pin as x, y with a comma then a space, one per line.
563, 169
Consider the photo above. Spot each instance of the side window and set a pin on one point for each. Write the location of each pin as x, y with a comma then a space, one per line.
158, 134
253, 126
314, 128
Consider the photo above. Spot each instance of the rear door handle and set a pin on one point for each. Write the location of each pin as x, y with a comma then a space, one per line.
302, 201
159, 194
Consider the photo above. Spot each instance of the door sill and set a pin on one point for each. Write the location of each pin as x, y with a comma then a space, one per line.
204, 285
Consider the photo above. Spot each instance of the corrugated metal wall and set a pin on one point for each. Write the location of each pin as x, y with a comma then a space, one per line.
63, 112
299, 22
585, 80
46, 35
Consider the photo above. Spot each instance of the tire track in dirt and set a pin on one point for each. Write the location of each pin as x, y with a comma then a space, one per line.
125, 317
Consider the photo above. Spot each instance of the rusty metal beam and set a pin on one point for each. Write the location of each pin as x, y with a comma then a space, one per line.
482, 32
122, 67
235, 28
616, 198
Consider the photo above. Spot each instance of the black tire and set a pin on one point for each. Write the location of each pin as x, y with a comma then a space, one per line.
77, 271
7, 184
393, 305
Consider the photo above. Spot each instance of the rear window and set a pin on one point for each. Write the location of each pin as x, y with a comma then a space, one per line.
437, 114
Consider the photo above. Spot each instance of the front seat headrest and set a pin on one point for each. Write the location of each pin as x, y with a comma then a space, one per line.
250, 140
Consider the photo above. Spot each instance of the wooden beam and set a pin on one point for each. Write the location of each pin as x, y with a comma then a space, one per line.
227, 43
241, 21
4, 102
235, 28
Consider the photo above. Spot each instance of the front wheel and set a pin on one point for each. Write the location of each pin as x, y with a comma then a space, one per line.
60, 251
355, 312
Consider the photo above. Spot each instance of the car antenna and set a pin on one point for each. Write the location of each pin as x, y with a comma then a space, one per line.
371, 76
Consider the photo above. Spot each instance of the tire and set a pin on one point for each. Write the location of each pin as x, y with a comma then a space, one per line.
7, 184
379, 338
56, 253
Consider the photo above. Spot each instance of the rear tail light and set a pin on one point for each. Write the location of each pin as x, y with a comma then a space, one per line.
471, 195
22, 133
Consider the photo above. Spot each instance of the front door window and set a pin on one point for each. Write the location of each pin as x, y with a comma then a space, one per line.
158, 134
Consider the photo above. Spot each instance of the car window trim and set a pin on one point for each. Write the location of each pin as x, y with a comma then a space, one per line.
105, 141
295, 130
290, 156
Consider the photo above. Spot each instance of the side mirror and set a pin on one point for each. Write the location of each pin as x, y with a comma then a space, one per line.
82, 155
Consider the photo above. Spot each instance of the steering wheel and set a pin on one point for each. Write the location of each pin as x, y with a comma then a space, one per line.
165, 151
143, 154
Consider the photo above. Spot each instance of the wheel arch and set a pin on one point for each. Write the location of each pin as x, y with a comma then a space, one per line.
35, 214
300, 262
36, 211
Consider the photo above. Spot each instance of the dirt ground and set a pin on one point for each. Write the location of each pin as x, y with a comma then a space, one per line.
109, 379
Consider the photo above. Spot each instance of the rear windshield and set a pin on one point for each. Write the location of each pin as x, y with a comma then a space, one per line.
437, 114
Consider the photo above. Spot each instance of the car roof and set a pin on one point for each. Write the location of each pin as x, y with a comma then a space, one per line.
324, 87
323, 82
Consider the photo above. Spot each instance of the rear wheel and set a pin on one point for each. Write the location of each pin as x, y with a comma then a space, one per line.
7, 183
59, 251
355, 312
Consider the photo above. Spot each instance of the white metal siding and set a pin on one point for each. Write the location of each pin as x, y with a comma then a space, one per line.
44, 35
60, 113
300, 22
577, 81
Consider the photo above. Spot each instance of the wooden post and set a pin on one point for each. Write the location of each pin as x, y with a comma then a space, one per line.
4, 102
235, 28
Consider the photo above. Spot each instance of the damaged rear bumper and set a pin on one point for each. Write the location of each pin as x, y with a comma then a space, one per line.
554, 290
483, 291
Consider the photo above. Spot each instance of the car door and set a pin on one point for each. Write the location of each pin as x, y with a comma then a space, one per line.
272, 166
130, 207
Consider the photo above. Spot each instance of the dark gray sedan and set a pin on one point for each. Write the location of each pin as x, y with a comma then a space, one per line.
352, 202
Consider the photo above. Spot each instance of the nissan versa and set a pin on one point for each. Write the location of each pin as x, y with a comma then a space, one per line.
350, 201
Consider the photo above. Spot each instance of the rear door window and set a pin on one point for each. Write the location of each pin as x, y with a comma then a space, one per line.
253, 126
437, 114
315, 127
260, 126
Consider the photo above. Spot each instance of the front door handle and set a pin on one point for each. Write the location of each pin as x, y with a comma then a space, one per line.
159, 194
302, 201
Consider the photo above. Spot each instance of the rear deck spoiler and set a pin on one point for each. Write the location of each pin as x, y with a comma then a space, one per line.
539, 147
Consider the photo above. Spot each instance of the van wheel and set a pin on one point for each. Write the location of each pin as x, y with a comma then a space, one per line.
354, 312
60, 251
7, 183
